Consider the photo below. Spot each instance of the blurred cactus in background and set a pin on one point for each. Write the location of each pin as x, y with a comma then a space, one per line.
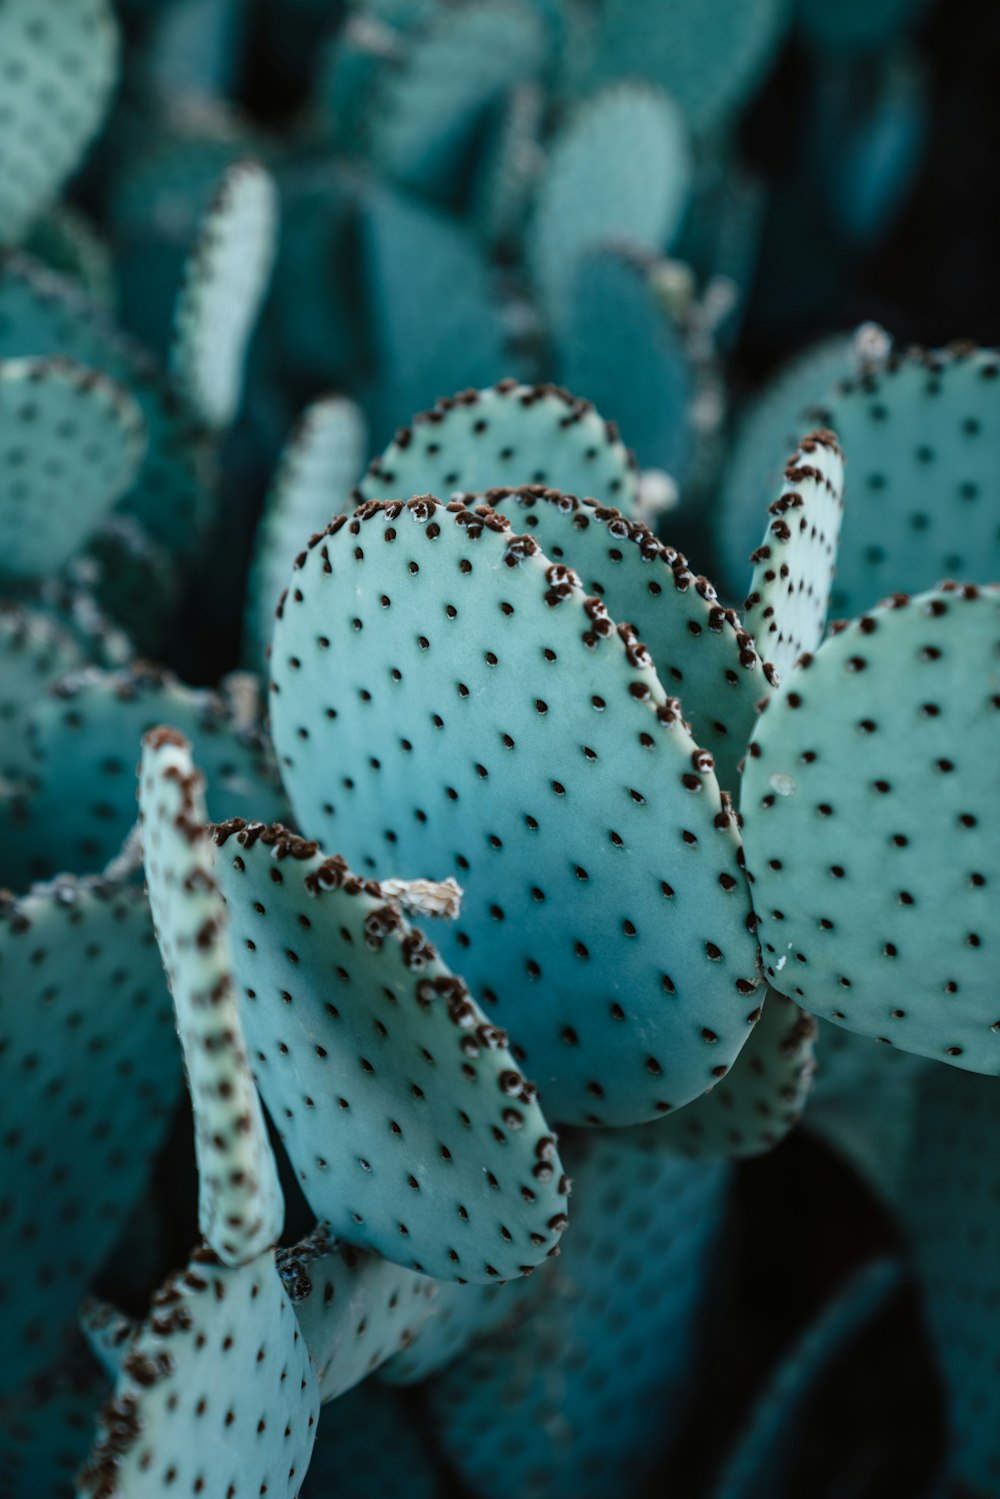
487, 1006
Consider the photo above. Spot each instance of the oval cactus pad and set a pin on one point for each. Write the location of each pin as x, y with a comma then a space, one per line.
400, 1106
448, 700
872, 823
509, 434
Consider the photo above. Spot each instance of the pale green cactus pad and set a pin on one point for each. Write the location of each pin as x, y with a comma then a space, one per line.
794, 566
93, 1075
618, 172
446, 699
225, 280
355, 1310
401, 1107
319, 467
700, 650
60, 65
216, 1394
756, 1105
35, 650
71, 442
871, 819
508, 435
240, 1210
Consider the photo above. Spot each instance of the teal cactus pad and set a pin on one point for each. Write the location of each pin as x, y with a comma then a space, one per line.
502, 187
760, 1465
355, 1310
618, 172
510, 434
86, 738
60, 65
35, 650
225, 280
401, 1108
923, 483
870, 812
92, 1075
70, 245
700, 650
373, 1442
319, 467
581, 1398
462, 1316
794, 565
216, 1395
45, 1427
109, 1334
436, 93
951, 1214
767, 432
710, 68
622, 350
44, 316
434, 315
134, 579
240, 1208
478, 713
71, 442
752, 1109
68, 602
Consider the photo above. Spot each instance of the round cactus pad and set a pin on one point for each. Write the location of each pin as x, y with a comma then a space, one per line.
216, 1395
923, 477
700, 651
225, 279
240, 1209
510, 434
447, 700
401, 1108
794, 565
71, 442
92, 1075
60, 65
871, 822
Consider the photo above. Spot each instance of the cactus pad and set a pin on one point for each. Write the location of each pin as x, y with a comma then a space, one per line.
699, 650
240, 1207
355, 1310
92, 1076
109, 1334
71, 442
871, 826
618, 171
34, 651
409, 1124
581, 1398
794, 566
60, 65
478, 713
225, 280
318, 469
46, 1425
510, 434
462, 1316
216, 1395
373, 1442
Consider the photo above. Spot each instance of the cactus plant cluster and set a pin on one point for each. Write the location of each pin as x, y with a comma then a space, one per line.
462, 969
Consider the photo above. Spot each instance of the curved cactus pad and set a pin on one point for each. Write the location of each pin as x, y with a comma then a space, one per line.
405, 1115
86, 738
872, 827
34, 651
46, 1424
510, 434
216, 1395
794, 566
355, 1310
445, 697
581, 1399
60, 64
462, 1316
700, 651
225, 279
240, 1208
923, 481
318, 469
752, 1109
373, 1443
71, 442
618, 171
92, 1075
